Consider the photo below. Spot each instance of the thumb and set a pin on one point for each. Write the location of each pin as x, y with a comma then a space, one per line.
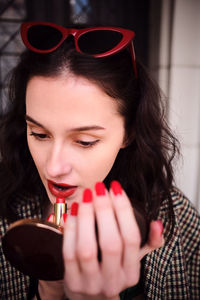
155, 239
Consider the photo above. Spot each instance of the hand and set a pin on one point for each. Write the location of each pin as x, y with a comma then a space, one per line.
51, 290
119, 240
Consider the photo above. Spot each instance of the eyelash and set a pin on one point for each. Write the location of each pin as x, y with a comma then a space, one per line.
87, 144
84, 144
39, 136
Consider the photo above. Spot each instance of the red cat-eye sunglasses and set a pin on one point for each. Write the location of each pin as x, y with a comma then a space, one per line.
45, 37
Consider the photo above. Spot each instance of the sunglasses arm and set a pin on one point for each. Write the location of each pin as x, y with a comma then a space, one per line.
132, 51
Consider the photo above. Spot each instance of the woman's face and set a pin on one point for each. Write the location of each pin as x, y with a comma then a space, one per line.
74, 133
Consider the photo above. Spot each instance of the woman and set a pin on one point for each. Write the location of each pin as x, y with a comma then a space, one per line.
86, 123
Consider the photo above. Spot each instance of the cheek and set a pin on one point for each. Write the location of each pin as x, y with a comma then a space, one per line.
36, 155
99, 166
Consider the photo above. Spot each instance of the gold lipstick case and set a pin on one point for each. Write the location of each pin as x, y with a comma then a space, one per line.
59, 210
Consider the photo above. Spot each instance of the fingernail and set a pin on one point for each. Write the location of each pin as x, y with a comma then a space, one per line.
74, 209
116, 188
87, 196
159, 222
64, 216
50, 217
100, 189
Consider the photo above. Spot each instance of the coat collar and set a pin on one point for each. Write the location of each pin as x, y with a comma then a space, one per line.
157, 263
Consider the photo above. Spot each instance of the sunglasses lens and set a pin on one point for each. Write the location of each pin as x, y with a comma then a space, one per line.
43, 37
99, 41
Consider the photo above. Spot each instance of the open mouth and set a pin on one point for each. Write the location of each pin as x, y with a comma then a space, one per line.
60, 189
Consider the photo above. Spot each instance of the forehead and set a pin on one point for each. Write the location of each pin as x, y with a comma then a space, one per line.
69, 97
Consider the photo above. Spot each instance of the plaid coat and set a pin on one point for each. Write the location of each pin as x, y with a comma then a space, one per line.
171, 272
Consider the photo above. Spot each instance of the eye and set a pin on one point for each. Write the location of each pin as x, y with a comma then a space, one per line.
39, 136
87, 144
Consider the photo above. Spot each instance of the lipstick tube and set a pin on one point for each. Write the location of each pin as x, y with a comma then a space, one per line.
60, 207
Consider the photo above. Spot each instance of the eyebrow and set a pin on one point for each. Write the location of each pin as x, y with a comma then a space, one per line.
81, 128
27, 118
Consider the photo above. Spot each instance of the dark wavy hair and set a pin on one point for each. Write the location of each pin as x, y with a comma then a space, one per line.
144, 167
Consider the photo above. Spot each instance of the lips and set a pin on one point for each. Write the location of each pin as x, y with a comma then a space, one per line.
61, 189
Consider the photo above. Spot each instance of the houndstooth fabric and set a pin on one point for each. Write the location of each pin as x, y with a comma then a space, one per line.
171, 272
13, 284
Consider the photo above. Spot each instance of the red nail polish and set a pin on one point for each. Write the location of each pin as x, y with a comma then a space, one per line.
87, 196
116, 188
50, 216
64, 217
74, 209
100, 189
159, 222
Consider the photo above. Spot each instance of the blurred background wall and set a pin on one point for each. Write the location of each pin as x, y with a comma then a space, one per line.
167, 41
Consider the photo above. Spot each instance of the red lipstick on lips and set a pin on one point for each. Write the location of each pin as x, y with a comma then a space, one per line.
61, 190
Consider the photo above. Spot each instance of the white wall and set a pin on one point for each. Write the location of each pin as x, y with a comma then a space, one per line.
178, 70
184, 93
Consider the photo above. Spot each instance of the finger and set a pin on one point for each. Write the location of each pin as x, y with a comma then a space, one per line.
155, 239
72, 271
129, 231
64, 216
87, 245
51, 289
109, 235
51, 218
63, 219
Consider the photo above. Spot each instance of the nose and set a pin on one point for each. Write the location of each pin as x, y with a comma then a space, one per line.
58, 162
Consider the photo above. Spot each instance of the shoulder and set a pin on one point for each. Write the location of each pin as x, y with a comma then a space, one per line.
181, 203
184, 211
186, 215
24, 207
27, 206
187, 222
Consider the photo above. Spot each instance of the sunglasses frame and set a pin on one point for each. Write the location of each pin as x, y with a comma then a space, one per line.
127, 40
